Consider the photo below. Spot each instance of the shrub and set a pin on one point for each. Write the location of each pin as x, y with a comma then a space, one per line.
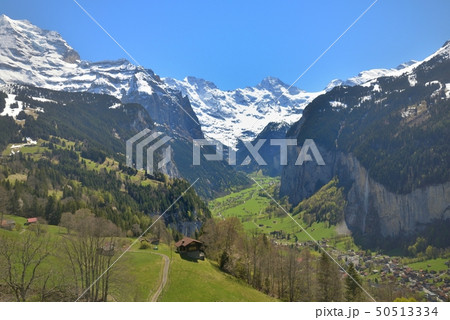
144, 245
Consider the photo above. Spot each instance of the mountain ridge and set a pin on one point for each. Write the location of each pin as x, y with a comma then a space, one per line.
386, 141
38, 58
225, 114
31, 55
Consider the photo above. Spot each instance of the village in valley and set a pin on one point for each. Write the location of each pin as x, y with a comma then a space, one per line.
376, 268
426, 276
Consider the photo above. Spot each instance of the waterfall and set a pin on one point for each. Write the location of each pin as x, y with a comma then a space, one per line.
366, 202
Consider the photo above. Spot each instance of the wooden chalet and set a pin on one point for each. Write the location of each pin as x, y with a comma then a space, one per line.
31, 221
8, 224
190, 249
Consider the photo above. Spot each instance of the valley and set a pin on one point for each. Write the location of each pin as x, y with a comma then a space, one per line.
82, 220
258, 213
427, 276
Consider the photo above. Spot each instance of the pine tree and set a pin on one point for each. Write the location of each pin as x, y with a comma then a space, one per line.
328, 278
352, 289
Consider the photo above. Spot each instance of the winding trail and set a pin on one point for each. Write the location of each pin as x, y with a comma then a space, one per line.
164, 276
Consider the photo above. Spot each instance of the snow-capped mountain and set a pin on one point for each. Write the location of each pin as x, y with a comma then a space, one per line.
371, 74
242, 113
30, 55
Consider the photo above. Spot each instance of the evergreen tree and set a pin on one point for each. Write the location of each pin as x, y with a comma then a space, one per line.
328, 278
352, 289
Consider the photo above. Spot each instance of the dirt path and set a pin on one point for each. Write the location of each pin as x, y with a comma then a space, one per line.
164, 276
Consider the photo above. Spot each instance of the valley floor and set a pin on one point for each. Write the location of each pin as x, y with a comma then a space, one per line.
257, 212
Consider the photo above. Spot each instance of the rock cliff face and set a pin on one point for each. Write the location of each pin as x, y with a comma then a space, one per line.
372, 210
301, 182
387, 142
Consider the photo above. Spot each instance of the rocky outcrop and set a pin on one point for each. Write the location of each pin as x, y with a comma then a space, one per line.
269, 152
166, 107
71, 56
371, 209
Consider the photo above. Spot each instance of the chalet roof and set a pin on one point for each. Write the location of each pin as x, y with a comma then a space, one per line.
7, 222
31, 220
186, 241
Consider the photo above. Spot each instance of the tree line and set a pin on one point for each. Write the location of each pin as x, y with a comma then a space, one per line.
36, 266
288, 272
109, 194
284, 272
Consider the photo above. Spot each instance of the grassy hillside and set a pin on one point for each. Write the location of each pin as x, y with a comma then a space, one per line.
137, 274
431, 264
258, 212
56, 175
142, 271
203, 281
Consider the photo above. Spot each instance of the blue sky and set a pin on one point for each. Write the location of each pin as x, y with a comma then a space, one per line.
238, 43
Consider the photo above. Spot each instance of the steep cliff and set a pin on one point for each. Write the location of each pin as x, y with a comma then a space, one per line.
387, 141
373, 209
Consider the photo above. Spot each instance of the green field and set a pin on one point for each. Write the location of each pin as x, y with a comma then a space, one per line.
143, 270
248, 204
137, 274
53, 230
16, 177
432, 264
203, 281
251, 207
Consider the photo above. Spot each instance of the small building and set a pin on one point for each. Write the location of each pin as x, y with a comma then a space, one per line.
108, 249
31, 221
154, 241
190, 249
8, 224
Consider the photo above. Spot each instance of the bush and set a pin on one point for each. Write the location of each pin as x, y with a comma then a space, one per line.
38, 228
144, 245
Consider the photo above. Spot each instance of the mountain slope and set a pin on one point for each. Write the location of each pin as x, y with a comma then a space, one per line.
270, 153
73, 159
40, 58
227, 116
387, 142
241, 114
204, 281
30, 55
100, 121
